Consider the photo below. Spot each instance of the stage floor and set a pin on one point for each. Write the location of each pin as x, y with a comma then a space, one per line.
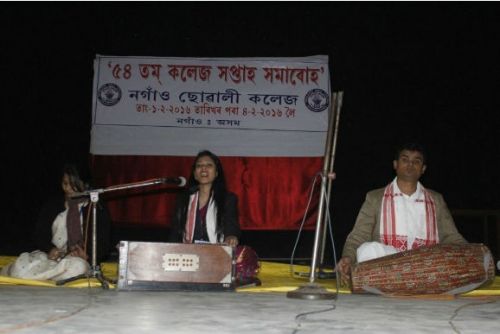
84, 307
30, 309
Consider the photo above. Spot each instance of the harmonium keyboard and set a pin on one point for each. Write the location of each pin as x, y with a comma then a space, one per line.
175, 266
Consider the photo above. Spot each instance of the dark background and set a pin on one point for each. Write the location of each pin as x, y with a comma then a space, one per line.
426, 72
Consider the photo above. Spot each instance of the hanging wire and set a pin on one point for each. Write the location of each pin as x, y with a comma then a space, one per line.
301, 317
313, 184
330, 230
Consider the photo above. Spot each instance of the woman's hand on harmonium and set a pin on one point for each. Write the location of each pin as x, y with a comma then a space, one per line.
231, 240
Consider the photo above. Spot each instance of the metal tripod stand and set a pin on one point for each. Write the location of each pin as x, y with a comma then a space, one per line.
95, 269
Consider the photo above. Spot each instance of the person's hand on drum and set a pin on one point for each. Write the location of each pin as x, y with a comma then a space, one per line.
344, 268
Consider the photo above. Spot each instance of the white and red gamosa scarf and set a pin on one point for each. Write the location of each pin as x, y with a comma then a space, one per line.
210, 220
408, 225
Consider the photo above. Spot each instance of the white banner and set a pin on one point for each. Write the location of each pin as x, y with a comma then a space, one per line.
233, 106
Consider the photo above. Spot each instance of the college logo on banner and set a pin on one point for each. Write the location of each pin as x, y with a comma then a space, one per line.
109, 94
317, 100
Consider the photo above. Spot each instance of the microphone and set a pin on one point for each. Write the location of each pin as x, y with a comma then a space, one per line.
179, 181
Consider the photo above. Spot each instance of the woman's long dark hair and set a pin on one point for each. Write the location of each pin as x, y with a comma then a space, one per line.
75, 180
219, 189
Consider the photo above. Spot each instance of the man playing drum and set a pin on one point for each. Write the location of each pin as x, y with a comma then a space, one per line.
402, 216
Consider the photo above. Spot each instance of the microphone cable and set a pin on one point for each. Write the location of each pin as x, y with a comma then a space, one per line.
330, 230
301, 317
313, 184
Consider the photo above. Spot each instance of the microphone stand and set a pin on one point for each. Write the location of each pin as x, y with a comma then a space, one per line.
312, 290
338, 106
95, 269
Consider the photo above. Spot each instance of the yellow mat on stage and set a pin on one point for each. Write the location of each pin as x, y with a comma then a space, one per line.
109, 270
275, 277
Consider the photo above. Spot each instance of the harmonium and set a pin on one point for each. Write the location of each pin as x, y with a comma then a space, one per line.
175, 266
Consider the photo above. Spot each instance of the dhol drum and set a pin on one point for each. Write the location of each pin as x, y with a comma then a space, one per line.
440, 269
